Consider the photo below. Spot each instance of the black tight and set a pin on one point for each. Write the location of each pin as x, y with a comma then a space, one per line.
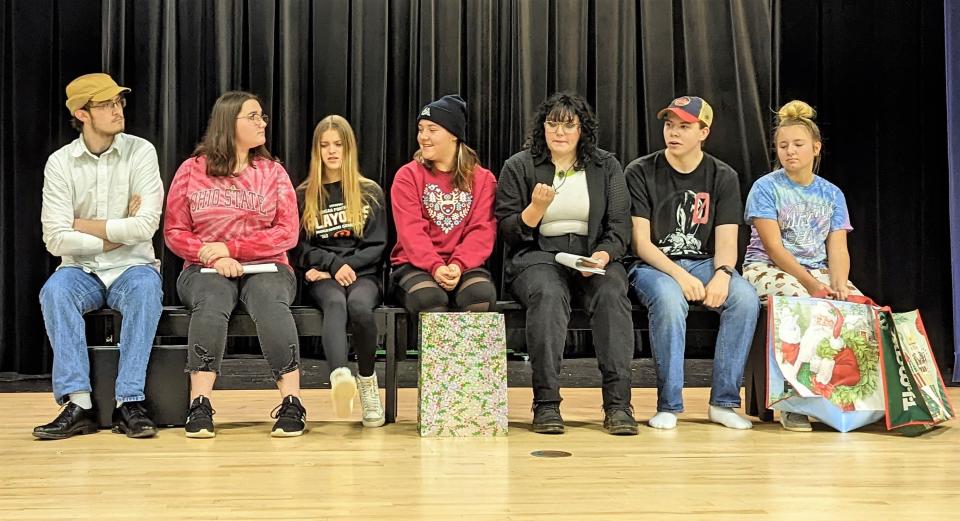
417, 291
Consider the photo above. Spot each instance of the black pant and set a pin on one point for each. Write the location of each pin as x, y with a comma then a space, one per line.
211, 299
545, 292
355, 303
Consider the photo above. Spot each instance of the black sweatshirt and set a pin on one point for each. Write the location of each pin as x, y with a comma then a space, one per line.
335, 243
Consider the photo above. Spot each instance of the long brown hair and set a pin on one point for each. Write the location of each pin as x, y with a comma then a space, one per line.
467, 160
218, 145
358, 191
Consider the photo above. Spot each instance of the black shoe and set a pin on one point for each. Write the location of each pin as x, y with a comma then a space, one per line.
72, 420
200, 419
547, 419
291, 418
620, 421
131, 419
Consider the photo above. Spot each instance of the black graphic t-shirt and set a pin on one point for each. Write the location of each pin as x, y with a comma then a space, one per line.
683, 209
336, 243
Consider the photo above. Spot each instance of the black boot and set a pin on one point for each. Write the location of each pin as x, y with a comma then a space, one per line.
620, 421
547, 419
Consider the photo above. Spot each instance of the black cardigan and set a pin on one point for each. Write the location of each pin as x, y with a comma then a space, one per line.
608, 226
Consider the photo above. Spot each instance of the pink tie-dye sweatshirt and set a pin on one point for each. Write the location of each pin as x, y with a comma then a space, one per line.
254, 213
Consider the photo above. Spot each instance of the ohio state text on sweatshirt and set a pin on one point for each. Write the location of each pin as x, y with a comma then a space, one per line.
254, 212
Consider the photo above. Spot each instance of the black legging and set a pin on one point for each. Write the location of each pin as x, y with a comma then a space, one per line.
417, 291
355, 302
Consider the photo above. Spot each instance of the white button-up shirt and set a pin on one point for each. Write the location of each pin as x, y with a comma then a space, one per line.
80, 185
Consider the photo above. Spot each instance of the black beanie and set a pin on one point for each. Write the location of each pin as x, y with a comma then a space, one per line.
450, 112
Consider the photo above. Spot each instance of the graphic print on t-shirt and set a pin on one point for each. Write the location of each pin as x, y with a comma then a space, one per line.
802, 224
693, 209
446, 210
333, 221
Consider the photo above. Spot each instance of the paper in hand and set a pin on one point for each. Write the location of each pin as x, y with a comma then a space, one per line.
579, 263
249, 269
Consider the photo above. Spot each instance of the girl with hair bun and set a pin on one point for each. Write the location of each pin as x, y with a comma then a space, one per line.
799, 224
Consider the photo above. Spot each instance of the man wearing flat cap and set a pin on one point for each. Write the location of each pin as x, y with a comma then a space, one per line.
102, 197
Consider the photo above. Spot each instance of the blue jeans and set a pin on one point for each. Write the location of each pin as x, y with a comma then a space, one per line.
667, 311
68, 294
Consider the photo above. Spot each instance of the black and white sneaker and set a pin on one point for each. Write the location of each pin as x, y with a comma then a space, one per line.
291, 418
200, 419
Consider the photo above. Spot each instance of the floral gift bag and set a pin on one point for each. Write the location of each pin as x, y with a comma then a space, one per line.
463, 375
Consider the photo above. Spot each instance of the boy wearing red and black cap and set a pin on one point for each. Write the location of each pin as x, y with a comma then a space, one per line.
686, 212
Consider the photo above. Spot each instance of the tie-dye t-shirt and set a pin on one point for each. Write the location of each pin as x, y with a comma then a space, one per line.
806, 214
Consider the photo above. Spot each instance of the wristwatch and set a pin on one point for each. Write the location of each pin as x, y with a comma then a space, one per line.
726, 269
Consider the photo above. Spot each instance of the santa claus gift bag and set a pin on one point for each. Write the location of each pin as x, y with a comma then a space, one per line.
852, 363
823, 360
463, 375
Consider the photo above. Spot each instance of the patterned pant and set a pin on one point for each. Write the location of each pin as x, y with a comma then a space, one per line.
771, 280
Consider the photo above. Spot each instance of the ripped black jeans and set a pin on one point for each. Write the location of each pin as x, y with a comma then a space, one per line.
211, 299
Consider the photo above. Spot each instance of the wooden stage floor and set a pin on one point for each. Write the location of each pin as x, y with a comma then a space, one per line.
340, 471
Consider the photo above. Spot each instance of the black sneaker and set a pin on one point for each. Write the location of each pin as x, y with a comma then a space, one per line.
200, 419
291, 418
620, 421
547, 419
131, 419
71, 421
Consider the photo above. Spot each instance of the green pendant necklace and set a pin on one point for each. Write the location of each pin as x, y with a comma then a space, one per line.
563, 175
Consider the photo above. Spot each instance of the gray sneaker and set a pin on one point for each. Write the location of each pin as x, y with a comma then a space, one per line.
370, 401
792, 421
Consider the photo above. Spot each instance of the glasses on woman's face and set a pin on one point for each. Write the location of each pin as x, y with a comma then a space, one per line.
110, 105
254, 117
555, 126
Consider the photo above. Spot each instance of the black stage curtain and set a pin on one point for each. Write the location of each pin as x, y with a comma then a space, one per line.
377, 63
875, 72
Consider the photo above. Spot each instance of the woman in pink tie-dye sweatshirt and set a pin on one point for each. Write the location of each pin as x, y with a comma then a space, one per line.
230, 206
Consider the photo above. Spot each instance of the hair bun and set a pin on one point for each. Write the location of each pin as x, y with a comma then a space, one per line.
796, 109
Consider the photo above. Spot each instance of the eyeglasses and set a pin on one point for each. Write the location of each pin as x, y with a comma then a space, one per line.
567, 126
255, 117
109, 105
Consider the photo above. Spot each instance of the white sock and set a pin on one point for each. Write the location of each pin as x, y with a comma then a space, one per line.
663, 420
728, 417
82, 399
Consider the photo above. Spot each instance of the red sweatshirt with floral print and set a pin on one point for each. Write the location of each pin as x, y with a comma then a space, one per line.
253, 212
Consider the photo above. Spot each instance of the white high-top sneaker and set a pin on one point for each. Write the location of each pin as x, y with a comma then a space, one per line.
343, 389
370, 400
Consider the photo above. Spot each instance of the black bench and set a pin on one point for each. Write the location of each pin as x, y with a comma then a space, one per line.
168, 386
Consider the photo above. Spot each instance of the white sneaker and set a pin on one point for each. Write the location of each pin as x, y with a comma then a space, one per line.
370, 400
343, 389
